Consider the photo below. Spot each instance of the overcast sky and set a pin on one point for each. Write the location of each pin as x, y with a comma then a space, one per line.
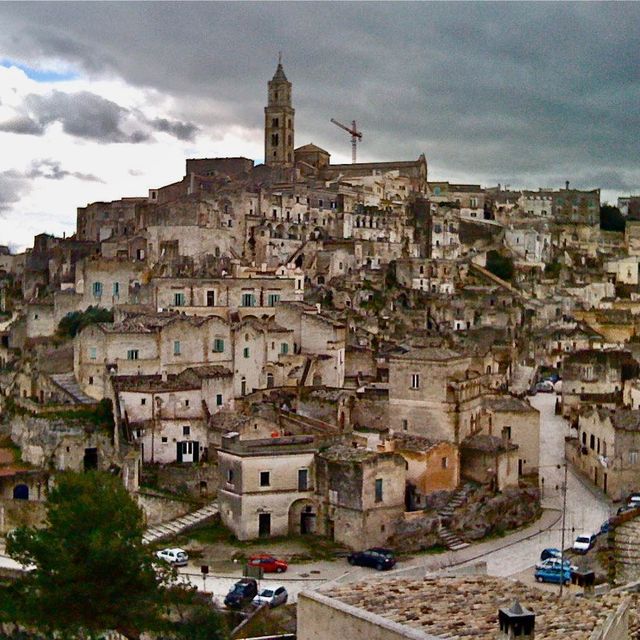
100, 100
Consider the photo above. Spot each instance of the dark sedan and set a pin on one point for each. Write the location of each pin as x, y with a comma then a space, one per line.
377, 558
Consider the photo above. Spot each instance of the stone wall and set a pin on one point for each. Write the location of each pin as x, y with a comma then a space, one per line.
416, 532
162, 508
486, 513
627, 551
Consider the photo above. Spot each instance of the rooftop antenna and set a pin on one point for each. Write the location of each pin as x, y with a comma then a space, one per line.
355, 136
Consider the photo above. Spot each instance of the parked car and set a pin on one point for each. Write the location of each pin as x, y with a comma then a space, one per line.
176, 557
584, 542
634, 500
554, 563
605, 527
550, 553
273, 596
376, 557
553, 574
268, 564
242, 593
545, 386
624, 509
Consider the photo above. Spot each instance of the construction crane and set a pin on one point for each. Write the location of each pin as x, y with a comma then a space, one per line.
355, 136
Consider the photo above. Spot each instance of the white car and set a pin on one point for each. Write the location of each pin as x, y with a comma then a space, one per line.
584, 542
176, 556
272, 596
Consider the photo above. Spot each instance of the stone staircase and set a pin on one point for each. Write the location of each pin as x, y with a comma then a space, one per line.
177, 526
457, 500
451, 540
68, 383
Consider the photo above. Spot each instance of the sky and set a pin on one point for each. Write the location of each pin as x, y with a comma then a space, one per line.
102, 100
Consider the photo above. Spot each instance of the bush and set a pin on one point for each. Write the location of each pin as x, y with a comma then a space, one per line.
75, 321
499, 265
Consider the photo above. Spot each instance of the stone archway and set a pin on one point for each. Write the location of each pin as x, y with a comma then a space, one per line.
302, 517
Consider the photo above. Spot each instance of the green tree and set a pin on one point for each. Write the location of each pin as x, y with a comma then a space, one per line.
91, 571
611, 219
499, 265
75, 321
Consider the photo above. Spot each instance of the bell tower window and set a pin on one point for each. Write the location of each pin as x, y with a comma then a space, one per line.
275, 122
274, 139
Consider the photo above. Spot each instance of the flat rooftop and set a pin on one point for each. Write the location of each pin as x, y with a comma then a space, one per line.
466, 608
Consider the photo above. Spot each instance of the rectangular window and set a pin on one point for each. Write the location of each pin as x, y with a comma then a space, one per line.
186, 431
303, 479
405, 424
378, 489
633, 457
219, 400
265, 478
132, 354
186, 403
245, 352
248, 300
506, 433
116, 288
284, 348
230, 476
176, 347
97, 289
211, 298
165, 439
143, 401
93, 353
178, 299
218, 345
272, 298
444, 462
415, 380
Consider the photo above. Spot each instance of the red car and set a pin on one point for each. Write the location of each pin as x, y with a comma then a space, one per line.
269, 564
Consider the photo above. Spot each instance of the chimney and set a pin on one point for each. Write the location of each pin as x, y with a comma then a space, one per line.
516, 623
566, 185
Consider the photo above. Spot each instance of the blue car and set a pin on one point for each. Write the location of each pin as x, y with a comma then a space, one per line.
554, 574
550, 553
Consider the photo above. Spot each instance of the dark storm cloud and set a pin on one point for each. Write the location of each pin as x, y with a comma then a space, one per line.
92, 117
52, 170
14, 185
22, 125
527, 91
181, 130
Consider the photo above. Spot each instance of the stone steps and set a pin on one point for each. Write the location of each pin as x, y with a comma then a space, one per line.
451, 540
177, 526
68, 382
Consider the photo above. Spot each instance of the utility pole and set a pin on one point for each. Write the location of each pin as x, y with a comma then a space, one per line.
564, 516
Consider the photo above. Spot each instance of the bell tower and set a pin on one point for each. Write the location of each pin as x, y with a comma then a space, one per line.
278, 121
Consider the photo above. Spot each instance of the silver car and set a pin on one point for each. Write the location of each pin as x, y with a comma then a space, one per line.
272, 596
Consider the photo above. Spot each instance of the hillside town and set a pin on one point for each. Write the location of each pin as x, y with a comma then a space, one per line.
353, 359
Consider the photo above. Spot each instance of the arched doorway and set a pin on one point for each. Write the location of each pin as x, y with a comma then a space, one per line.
302, 517
21, 492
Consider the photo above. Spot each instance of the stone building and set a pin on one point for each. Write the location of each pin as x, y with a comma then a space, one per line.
361, 494
458, 608
168, 415
431, 466
435, 392
516, 421
607, 449
267, 486
595, 377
